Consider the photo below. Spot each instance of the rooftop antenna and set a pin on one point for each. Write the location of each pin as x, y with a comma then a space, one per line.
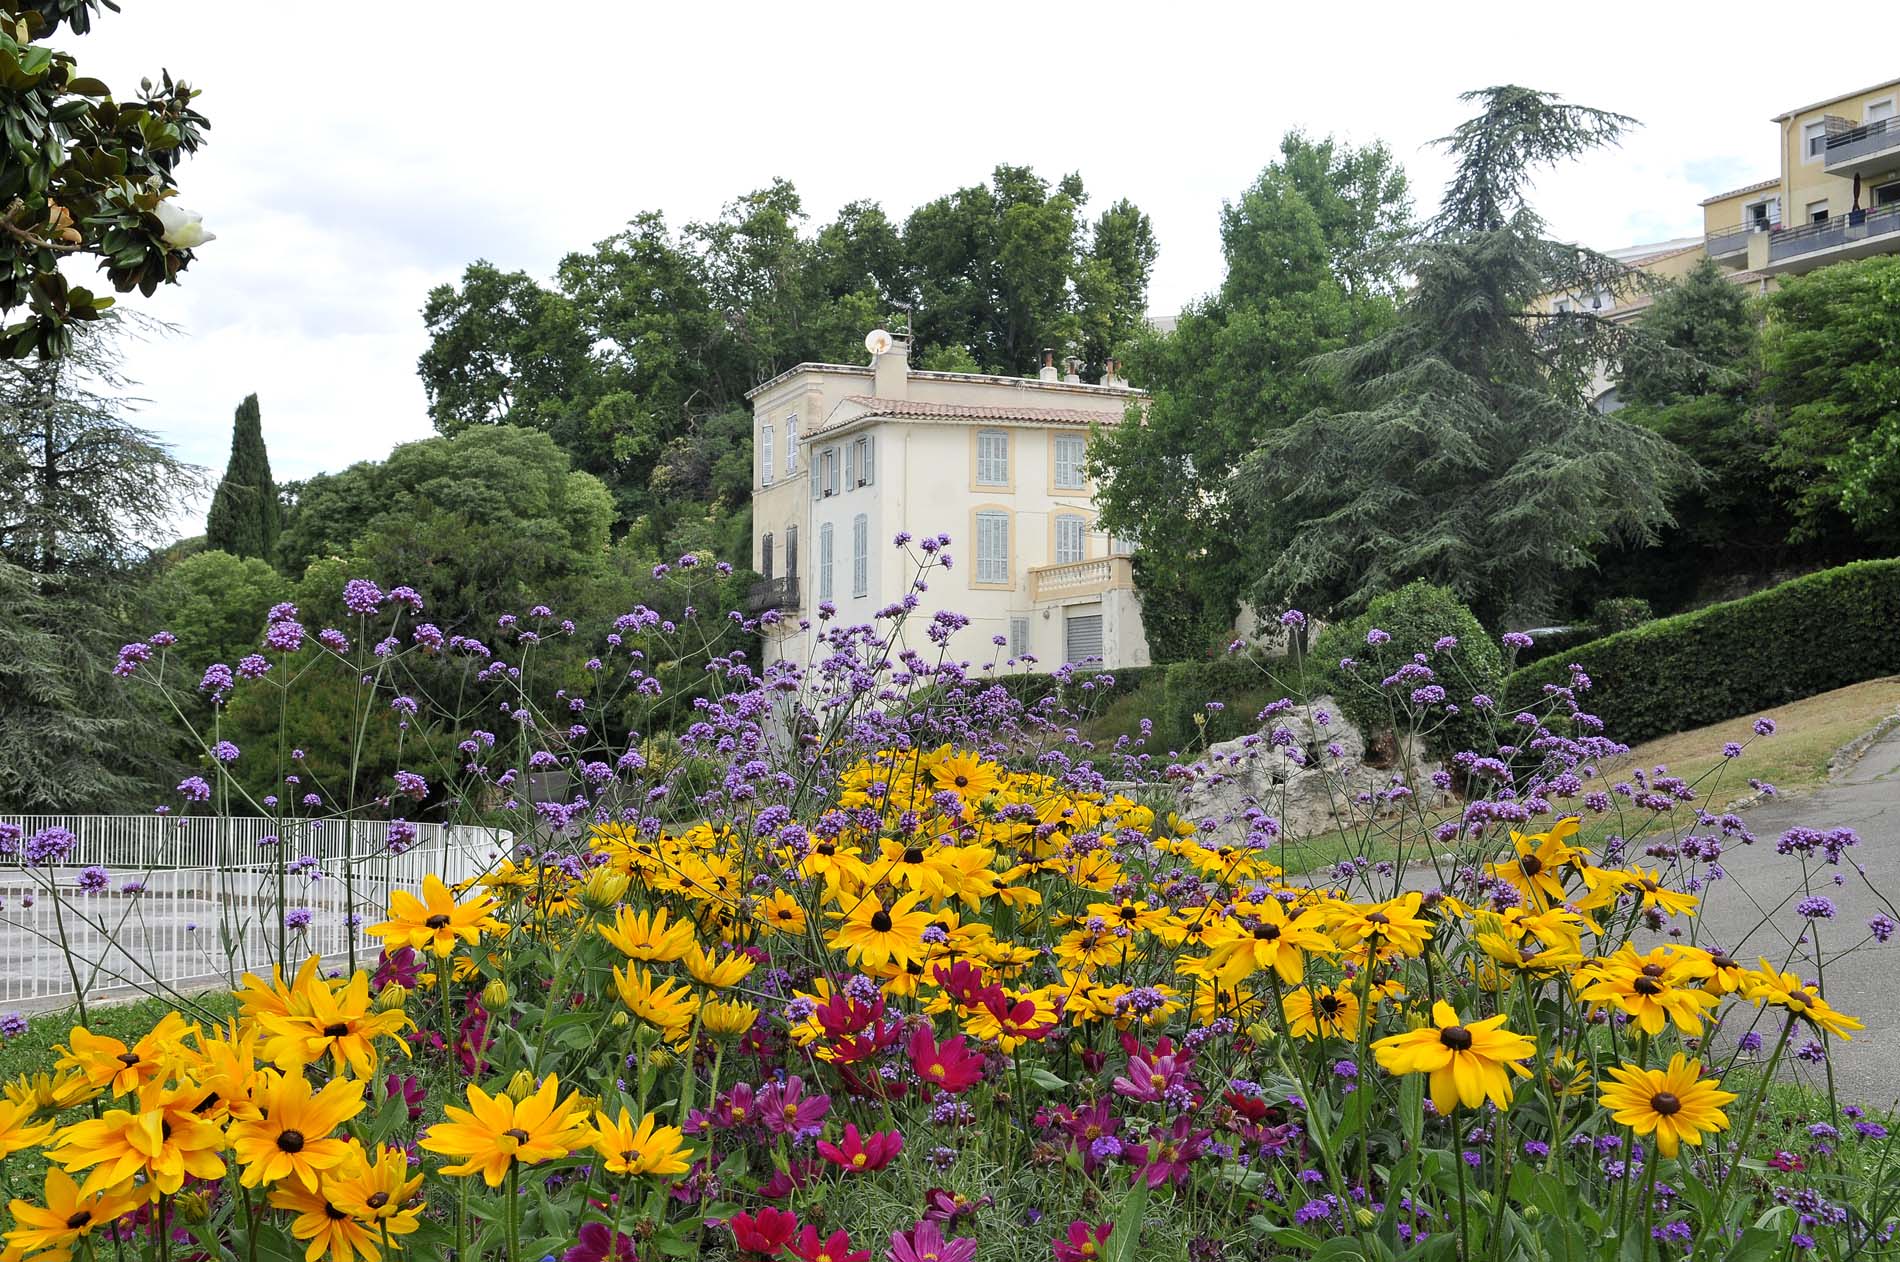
904, 330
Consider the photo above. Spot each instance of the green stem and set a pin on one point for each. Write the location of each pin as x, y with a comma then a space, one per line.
514, 1211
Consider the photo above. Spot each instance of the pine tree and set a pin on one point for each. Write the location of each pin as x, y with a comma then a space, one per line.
244, 517
1468, 453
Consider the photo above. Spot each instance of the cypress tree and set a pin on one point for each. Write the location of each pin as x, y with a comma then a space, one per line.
244, 517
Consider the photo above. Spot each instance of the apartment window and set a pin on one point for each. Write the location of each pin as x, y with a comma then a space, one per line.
791, 444
1817, 212
827, 482
992, 457
765, 456
862, 451
1068, 460
824, 561
1813, 139
765, 556
1764, 214
1018, 637
1887, 194
1071, 538
861, 555
791, 552
850, 466
992, 546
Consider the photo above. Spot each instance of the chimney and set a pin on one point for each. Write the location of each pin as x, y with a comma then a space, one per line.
1072, 370
1111, 373
1048, 372
890, 371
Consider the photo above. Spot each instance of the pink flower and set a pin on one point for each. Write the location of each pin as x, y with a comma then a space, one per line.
1082, 1243
948, 1065
809, 1247
861, 1153
765, 1233
785, 1109
925, 1243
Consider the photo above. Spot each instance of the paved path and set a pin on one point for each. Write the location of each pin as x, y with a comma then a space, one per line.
1765, 886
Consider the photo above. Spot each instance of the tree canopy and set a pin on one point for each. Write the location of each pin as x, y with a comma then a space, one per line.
638, 353
245, 515
1464, 450
87, 174
1312, 251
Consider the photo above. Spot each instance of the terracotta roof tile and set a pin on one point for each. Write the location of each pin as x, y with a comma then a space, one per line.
914, 410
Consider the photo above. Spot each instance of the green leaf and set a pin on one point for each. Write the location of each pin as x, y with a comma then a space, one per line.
1125, 1238
1044, 1079
1412, 1108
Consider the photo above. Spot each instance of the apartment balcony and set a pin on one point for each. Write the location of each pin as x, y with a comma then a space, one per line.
1863, 150
772, 593
1855, 235
1730, 246
1081, 578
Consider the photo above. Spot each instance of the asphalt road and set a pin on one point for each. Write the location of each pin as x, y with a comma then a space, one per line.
1752, 913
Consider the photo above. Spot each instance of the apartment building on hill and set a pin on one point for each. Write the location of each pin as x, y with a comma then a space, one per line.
847, 456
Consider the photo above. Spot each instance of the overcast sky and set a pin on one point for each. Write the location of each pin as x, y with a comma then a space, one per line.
359, 156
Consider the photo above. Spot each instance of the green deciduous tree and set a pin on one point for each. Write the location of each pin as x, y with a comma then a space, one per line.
216, 603
244, 519
1465, 451
1312, 266
84, 174
1831, 353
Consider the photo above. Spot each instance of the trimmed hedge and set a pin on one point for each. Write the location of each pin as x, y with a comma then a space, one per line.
1807, 636
1416, 616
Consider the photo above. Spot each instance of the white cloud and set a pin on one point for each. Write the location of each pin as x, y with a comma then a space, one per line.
358, 157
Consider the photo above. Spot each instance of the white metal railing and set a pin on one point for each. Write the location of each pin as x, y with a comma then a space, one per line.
155, 925
214, 841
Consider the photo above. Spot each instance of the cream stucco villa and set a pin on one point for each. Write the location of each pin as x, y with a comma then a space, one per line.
848, 456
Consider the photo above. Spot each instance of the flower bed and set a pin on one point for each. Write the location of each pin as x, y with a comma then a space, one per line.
932, 982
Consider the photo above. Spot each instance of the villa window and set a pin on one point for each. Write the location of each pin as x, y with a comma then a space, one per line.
765, 456
765, 556
824, 561
992, 546
1018, 637
1068, 460
992, 458
791, 444
1071, 539
861, 555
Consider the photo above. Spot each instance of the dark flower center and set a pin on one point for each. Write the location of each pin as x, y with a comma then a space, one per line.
1652, 970
129, 1059
1665, 1103
1329, 1004
1722, 961
1647, 986
206, 1103
79, 1220
290, 1141
962, 782
881, 921
1531, 865
1456, 1037
1268, 932
826, 848
517, 1134
1378, 918
437, 921
377, 1200
336, 1031
336, 1215
165, 1130
913, 855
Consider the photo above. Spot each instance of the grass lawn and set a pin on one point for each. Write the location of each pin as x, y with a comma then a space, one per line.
1794, 759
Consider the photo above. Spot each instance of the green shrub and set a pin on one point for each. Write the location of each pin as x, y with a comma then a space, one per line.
1552, 644
1417, 617
1621, 613
1807, 636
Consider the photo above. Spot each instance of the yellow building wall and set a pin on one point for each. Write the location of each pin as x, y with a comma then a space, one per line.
1725, 213
1803, 181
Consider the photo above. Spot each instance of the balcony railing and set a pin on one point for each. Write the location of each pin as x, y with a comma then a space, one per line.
1847, 229
1081, 578
1851, 147
1735, 240
773, 593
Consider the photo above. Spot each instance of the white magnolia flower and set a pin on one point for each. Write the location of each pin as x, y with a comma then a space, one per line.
184, 229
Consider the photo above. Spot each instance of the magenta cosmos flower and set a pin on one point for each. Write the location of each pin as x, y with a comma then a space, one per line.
925, 1243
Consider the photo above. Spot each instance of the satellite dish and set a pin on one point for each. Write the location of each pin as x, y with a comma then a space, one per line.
877, 341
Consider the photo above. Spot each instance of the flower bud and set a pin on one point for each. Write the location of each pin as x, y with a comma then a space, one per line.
192, 1207
392, 997
521, 1086
603, 888
1365, 1216
495, 995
